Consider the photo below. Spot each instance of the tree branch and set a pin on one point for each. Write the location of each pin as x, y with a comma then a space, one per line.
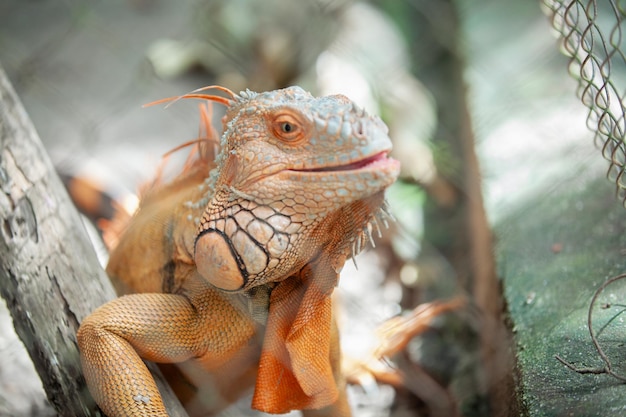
49, 274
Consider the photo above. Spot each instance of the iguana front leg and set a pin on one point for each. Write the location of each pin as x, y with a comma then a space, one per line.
163, 328
117, 335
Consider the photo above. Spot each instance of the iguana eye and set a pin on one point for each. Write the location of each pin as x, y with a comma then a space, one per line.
287, 127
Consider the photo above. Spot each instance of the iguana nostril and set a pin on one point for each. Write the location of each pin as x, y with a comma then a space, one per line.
359, 128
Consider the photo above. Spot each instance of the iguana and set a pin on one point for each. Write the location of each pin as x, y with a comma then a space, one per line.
231, 264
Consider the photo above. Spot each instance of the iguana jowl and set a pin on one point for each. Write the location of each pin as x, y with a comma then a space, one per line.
232, 264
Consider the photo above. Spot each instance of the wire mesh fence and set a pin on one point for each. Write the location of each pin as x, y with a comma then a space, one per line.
592, 36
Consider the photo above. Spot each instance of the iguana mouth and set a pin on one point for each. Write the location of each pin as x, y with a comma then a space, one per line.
380, 158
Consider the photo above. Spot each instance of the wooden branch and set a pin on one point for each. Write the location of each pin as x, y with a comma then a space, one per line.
49, 274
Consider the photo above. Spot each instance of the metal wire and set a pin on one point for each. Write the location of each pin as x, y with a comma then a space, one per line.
591, 34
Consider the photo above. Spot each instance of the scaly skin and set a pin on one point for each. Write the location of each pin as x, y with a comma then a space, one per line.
231, 272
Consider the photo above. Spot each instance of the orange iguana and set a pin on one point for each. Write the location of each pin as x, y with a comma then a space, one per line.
232, 263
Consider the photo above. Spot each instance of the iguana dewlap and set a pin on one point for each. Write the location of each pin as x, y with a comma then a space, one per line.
232, 264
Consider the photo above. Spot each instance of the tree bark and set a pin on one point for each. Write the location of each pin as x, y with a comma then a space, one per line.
460, 230
49, 274
457, 230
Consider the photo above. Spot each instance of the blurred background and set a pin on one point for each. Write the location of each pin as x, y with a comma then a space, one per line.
496, 163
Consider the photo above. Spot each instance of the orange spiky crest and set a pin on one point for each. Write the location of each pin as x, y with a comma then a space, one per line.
195, 94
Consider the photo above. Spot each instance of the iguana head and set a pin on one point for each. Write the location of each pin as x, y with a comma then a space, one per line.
290, 169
